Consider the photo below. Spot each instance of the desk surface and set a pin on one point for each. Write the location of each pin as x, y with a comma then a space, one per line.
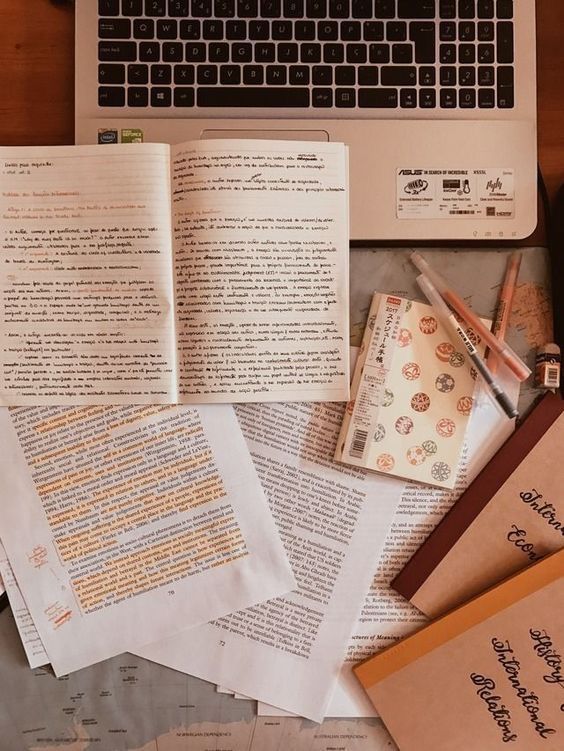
36, 78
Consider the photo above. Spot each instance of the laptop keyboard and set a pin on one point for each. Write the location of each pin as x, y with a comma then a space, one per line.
359, 54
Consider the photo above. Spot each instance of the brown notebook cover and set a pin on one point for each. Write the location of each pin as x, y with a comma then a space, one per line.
488, 675
511, 515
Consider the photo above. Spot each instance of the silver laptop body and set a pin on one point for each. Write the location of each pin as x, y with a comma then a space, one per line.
442, 150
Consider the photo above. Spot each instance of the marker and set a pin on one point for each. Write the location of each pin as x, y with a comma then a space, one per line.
504, 304
457, 333
503, 350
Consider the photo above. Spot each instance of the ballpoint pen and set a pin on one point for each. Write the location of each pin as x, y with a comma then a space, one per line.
457, 333
502, 350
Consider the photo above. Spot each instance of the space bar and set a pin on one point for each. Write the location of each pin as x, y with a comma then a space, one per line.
252, 97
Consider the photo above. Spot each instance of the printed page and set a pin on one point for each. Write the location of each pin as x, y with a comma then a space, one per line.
385, 615
333, 520
31, 641
86, 298
261, 259
127, 524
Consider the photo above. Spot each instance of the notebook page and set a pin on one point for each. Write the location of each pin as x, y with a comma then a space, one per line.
86, 276
261, 260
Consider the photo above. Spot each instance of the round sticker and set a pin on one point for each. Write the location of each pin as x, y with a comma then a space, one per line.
444, 383
388, 398
443, 351
404, 425
420, 402
440, 471
457, 359
446, 427
385, 462
464, 405
411, 371
429, 447
416, 455
379, 432
428, 325
404, 337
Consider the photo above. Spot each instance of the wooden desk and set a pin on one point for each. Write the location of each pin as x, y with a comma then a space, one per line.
36, 78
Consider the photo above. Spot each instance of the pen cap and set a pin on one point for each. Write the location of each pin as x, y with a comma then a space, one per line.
421, 264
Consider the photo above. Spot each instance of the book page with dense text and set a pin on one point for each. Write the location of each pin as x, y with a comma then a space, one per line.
126, 524
261, 247
86, 298
333, 521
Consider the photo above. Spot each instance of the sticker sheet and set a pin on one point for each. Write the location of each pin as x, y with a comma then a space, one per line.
412, 395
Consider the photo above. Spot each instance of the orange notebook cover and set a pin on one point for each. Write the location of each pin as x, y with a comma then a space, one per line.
510, 516
486, 676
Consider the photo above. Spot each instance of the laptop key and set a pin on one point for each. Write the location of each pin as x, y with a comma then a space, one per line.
242, 53
316, 8
427, 98
293, 8
138, 75
466, 31
447, 75
250, 96
177, 8
253, 75
111, 96
161, 74
276, 75
131, 7
298, 75
173, 52
422, 34
108, 74
373, 31
327, 31
229, 75
247, 8
206, 75
184, 75
408, 98
195, 52
447, 31
117, 51
416, 8
345, 75
322, 75
322, 97
190, 29
379, 53
447, 53
155, 7
236, 30
339, 9
361, 8
149, 52
345, 98
224, 8
505, 42
161, 97
114, 28
270, 8
201, 8
485, 8
137, 96
486, 31
356, 53
311, 53
304, 30
259, 30
466, 98
378, 98
367, 75
402, 53
504, 8
213, 29
447, 8
167, 29
287, 52
486, 98
505, 90
264, 53
143, 28
282, 30
486, 53
427, 76
398, 75
466, 54
183, 97
466, 76
218, 52
448, 98
108, 7
466, 8
333, 53
351, 31
396, 31
384, 9
486, 75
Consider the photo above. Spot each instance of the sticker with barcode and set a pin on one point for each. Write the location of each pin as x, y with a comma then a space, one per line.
455, 193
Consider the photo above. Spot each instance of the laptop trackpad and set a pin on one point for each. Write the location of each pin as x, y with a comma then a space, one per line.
272, 135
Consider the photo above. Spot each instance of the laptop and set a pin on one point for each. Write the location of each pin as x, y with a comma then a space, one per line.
436, 99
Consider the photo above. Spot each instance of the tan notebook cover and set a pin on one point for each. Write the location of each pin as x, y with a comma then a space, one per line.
489, 675
509, 517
